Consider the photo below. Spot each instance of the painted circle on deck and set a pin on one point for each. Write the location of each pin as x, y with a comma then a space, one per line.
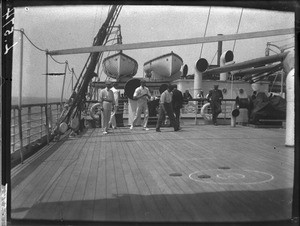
231, 176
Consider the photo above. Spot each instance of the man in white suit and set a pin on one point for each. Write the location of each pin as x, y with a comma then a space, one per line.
107, 102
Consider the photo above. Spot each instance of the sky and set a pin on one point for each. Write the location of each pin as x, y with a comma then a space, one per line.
65, 27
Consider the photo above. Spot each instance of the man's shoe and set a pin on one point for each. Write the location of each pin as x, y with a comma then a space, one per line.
145, 128
104, 132
158, 130
177, 129
131, 127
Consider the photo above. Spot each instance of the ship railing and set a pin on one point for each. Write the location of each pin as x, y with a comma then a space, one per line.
32, 125
192, 108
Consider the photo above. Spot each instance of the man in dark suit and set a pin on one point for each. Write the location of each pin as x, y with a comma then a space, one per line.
177, 102
166, 108
215, 96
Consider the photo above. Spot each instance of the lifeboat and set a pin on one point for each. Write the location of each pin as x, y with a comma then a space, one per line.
120, 65
165, 66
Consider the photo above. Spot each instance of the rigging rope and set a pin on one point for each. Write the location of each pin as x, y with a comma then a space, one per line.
238, 29
66, 62
213, 57
56, 60
205, 29
30, 40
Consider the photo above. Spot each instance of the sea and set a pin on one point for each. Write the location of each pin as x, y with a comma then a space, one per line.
33, 100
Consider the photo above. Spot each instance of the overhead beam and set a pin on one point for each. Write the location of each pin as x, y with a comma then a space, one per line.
191, 41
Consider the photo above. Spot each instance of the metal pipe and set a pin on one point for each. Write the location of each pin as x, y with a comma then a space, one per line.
246, 64
200, 67
288, 64
290, 109
20, 97
63, 86
21, 67
220, 43
72, 79
225, 59
257, 70
46, 107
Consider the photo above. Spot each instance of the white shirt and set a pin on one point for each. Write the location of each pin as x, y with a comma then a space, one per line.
116, 94
107, 95
140, 91
166, 97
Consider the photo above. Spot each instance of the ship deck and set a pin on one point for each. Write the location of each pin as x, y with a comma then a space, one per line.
203, 173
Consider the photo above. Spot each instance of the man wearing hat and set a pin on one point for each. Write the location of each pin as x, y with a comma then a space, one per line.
215, 96
142, 95
107, 103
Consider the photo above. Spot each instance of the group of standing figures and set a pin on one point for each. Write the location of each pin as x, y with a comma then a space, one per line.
170, 104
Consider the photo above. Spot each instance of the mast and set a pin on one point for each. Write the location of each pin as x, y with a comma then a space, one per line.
83, 82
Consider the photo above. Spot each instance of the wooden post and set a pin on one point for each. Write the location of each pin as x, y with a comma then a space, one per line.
63, 86
72, 80
20, 132
41, 134
29, 127
46, 107
14, 131
220, 43
196, 111
20, 97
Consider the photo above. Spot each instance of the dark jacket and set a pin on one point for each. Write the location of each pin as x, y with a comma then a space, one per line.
177, 99
215, 95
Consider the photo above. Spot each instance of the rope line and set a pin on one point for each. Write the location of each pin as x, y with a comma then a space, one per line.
238, 28
205, 30
56, 60
213, 57
30, 40
66, 62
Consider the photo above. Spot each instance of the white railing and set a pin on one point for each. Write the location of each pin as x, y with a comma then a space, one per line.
33, 123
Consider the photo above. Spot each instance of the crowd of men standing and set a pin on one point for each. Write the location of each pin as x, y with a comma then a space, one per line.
170, 104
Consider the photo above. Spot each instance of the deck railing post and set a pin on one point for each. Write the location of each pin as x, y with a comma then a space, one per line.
29, 127
196, 111
20, 133
14, 130
57, 112
41, 134
225, 110
233, 118
46, 112
47, 124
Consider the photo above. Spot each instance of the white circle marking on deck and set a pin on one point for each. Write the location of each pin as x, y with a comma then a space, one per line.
236, 176
230, 176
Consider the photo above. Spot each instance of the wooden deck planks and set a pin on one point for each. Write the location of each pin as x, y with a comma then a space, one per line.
32, 191
198, 209
125, 176
99, 213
